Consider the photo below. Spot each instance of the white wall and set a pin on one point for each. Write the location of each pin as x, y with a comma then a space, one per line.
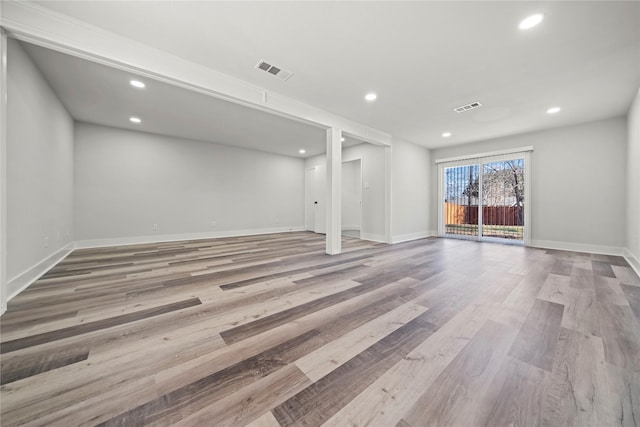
633, 185
373, 183
351, 195
411, 191
127, 181
578, 183
39, 173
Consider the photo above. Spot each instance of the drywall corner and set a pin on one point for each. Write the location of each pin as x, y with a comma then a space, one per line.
23, 280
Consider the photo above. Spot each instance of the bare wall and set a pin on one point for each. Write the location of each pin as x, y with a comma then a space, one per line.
351, 195
411, 187
39, 172
128, 181
578, 186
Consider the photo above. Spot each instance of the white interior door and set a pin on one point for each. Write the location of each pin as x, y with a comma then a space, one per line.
321, 206
310, 201
314, 204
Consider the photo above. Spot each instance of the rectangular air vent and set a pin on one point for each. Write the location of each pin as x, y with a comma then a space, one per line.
272, 69
467, 107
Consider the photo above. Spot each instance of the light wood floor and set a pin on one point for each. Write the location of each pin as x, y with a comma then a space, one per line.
270, 331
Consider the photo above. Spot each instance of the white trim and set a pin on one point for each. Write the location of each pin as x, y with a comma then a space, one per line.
137, 240
388, 193
23, 280
578, 247
441, 205
481, 201
350, 227
633, 261
527, 198
4, 285
373, 237
39, 25
489, 154
411, 236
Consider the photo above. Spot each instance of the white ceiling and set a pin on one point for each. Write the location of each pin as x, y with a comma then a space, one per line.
95, 93
421, 58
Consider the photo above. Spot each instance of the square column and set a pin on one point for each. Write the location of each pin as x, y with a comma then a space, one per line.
334, 189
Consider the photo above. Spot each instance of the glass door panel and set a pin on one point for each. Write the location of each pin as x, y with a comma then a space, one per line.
503, 199
461, 201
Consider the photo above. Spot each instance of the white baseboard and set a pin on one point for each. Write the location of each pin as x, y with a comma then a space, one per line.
23, 280
123, 241
410, 236
577, 247
351, 227
373, 237
633, 260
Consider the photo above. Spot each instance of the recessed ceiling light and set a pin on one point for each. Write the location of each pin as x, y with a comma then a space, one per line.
531, 21
137, 83
342, 139
553, 110
370, 97
302, 151
446, 134
134, 119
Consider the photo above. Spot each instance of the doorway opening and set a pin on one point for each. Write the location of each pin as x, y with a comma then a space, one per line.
352, 198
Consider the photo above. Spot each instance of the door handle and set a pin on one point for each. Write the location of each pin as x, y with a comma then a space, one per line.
315, 203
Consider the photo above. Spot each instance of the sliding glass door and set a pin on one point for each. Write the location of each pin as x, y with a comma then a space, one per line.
485, 198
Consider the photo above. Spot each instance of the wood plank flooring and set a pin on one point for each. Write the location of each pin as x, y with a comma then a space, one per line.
269, 331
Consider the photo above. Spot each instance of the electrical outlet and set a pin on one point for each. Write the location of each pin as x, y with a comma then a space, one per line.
156, 227
213, 223
58, 236
46, 242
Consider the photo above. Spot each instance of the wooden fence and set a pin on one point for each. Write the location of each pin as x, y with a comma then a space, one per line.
491, 215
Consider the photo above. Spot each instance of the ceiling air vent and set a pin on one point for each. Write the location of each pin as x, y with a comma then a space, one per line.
467, 107
276, 71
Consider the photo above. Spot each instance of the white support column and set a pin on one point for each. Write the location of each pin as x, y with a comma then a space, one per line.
334, 189
3, 171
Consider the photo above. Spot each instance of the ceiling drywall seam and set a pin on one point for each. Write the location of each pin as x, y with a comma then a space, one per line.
38, 25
